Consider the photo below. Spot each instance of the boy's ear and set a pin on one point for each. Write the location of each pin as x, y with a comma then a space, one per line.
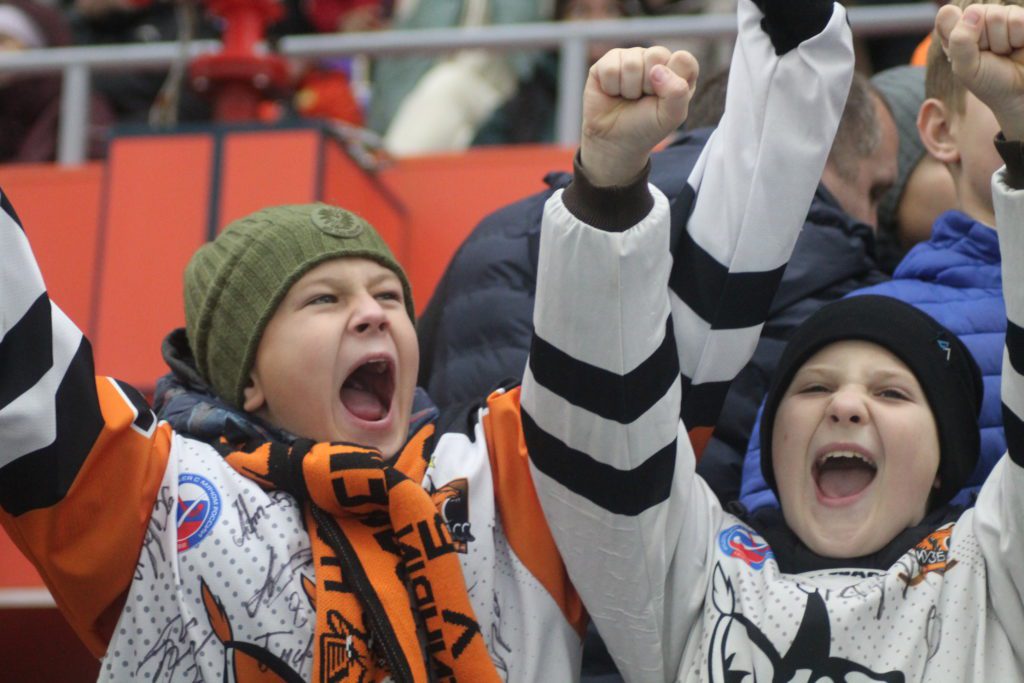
252, 395
934, 123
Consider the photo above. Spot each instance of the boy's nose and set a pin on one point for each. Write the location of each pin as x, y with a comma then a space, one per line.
848, 406
369, 315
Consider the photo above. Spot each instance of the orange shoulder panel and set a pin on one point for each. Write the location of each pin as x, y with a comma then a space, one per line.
86, 547
519, 508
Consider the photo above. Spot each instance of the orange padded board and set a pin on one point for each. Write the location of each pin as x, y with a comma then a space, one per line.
260, 168
156, 204
446, 195
59, 208
347, 185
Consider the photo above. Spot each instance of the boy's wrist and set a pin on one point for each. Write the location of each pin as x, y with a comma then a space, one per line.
613, 208
1012, 152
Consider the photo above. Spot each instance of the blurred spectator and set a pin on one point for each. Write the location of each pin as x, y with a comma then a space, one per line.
349, 16
424, 105
30, 103
111, 22
529, 115
924, 187
133, 93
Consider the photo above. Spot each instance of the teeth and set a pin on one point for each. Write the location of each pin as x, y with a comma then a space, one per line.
845, 454
378, 366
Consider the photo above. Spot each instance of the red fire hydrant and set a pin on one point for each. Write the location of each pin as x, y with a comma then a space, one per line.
238, 76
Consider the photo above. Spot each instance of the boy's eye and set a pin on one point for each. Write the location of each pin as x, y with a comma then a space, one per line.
897, 394
320, 299
389, 295
814, 389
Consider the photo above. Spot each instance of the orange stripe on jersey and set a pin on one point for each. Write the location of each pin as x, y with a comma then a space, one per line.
517, 504
86, 547
699, 437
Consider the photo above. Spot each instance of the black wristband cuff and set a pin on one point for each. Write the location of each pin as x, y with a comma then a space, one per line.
615, 208
1012, 152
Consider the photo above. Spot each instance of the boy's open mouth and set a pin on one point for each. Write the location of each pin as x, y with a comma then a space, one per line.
842, 474
367, 392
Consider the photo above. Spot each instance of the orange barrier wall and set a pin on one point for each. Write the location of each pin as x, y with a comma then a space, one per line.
112, 240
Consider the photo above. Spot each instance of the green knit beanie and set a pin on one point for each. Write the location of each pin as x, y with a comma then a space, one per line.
234, 284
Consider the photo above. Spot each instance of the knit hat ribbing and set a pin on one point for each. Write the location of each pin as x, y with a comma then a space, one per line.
234, 284
945, 369
903, 90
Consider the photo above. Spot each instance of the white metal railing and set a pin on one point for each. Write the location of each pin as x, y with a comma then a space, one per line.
571, 38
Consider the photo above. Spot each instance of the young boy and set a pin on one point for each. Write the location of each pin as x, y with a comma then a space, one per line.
873, 427
250, 538
955, 276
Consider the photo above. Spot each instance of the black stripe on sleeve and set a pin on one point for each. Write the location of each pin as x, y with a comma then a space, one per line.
702, 403
144, 417
42, 478
1014, 428
1015, 346
8, 208
622, 398
622, 492
26, 351
727, 301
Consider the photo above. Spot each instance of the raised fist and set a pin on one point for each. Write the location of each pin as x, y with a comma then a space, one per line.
633, 99
985, 46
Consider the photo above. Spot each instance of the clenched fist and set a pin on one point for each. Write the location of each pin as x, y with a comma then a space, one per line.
633, 99
985, 46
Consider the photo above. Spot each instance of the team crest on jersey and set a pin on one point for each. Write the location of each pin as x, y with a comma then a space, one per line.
198, 509
452, 501
932, 555
740, 542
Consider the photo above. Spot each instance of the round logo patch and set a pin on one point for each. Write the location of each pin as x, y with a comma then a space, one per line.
198, 509
337, 222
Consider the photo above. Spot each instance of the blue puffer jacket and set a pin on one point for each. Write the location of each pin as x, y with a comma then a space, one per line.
955, 277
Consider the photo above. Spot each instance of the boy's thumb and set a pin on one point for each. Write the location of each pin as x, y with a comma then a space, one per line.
673, 92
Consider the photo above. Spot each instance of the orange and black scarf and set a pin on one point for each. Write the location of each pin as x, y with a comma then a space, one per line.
390, 597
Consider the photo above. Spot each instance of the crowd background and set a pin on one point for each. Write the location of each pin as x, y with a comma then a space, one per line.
415, 104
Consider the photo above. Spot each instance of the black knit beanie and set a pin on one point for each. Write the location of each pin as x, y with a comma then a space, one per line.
945, 369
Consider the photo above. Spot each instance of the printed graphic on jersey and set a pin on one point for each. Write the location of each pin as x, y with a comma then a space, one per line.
198, 509
245, 661
740, 542
740, 651
452, 501
932, 555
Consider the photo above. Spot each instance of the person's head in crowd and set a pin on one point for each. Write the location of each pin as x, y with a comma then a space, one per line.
18, 30
923, 188
301, 316
957, 129
861, 165
590, 10
708, 103
871, 422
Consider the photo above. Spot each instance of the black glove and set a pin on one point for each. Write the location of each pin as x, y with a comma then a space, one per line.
790, 22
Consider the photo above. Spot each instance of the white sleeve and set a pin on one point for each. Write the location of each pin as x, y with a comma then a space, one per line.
999, 513
617, 355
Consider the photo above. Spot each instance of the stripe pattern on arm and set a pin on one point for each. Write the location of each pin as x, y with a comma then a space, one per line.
49, 411
1013, 400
